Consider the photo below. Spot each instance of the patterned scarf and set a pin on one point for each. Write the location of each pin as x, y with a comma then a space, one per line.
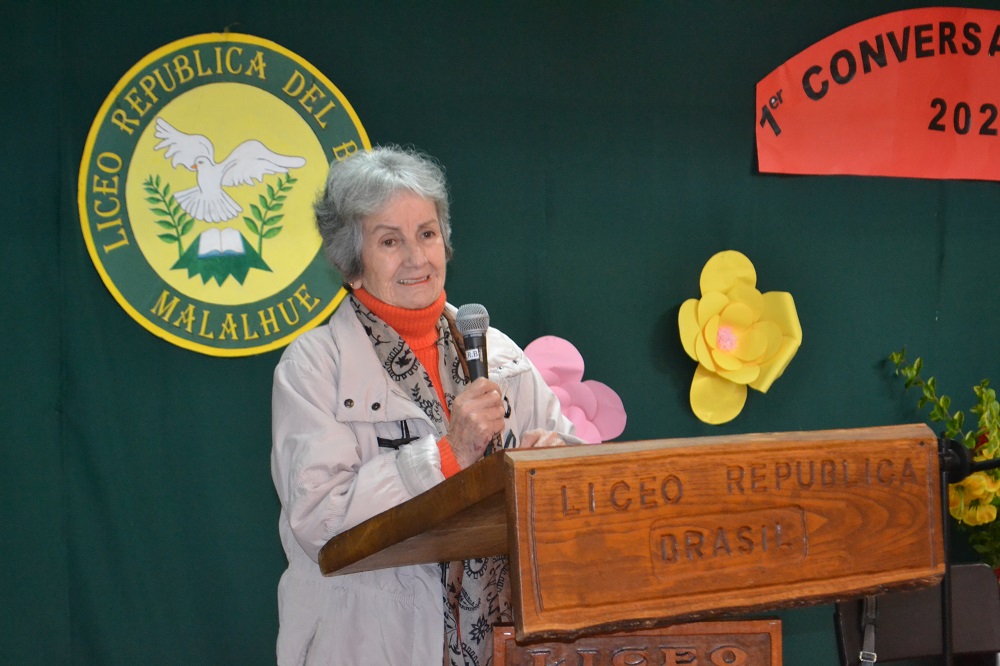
476, 592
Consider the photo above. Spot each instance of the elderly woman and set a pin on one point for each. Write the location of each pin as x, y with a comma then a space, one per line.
375, 408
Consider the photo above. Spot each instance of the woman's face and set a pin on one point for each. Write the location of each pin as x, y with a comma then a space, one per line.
403, 253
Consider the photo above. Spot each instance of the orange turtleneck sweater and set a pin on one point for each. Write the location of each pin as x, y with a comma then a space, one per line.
418, 328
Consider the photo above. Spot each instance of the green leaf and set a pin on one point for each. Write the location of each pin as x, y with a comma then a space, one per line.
270, 192
271, 233
186, 226
274, 220
166, 190
277, 206
153, 200
168, 238
263, 202
256, 213
165, 224
160, 211
252, 225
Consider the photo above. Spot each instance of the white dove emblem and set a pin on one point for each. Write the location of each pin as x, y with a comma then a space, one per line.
250, 161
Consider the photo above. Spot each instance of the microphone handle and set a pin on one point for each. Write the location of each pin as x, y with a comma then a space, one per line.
475, 356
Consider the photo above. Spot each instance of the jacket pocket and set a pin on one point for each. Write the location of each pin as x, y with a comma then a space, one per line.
364, 626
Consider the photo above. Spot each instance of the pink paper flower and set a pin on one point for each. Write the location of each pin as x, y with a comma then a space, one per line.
594, 408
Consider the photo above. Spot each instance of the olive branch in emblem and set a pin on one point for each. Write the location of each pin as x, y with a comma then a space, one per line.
262, 223
168, 212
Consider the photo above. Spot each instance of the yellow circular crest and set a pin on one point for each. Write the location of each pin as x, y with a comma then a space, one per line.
196, 190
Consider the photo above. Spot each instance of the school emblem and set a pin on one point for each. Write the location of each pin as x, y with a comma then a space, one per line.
196, 191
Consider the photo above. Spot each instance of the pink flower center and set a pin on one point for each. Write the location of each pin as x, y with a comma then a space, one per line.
725, 340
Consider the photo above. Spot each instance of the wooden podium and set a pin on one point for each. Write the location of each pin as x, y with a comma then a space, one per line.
635, 535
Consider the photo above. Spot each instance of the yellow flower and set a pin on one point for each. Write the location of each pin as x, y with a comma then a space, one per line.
981, 486
971, 500
984, 513
739, 336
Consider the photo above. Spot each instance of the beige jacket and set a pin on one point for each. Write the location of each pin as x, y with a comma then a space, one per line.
331, 401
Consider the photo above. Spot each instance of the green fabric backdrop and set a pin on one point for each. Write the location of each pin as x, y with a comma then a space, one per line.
599, 154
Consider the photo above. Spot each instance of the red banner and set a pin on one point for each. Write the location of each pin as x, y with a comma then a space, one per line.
914, 93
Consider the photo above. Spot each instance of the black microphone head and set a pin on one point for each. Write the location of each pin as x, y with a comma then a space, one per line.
472, 319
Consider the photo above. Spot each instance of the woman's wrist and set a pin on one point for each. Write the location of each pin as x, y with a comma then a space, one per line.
449, 463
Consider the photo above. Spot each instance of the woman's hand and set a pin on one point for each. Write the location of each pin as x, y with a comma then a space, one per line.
476, 415
537, 439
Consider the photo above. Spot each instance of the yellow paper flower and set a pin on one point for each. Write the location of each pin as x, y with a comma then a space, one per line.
739, 336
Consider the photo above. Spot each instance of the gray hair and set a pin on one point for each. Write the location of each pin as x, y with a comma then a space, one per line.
361, 186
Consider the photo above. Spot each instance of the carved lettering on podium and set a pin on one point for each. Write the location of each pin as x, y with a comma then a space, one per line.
657, 491
725, 541
826, 473
647, 492
742, 643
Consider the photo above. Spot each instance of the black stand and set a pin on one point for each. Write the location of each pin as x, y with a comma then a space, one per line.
956, 463
916, 624
950, 460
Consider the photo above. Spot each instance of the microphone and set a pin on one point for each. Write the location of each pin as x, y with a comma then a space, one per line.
472, 320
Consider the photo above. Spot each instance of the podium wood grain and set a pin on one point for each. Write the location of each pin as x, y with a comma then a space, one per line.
633, 535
